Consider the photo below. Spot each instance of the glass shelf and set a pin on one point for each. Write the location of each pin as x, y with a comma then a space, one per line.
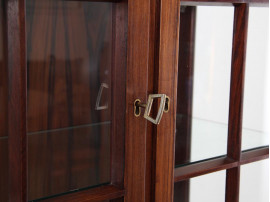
208, 139
65, 160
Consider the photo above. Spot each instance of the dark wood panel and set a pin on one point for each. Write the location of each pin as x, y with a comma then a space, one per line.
181, 191
119, 26
4, 169
97, 194
240, 30
70, 54
3, 111
166, 69
3, 76
16, 63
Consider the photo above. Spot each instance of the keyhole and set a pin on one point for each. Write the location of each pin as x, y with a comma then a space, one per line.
137, 109
167, 104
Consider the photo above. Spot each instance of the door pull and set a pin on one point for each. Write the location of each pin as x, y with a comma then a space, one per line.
98, 107
163, 107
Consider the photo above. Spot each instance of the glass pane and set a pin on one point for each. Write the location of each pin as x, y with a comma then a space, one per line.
210, 188
203, 83
256, 114
3, 116
69, 57
254, 182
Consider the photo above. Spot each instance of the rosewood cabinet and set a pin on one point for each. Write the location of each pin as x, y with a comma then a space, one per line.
133, 100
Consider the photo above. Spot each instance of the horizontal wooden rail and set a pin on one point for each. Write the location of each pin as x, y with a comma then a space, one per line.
197, 169
221, 163
259, 3
263, 3
106, 192
254, 155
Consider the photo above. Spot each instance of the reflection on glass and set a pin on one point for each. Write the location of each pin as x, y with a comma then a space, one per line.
3, 116
210, 188
203, 83
69, 56
254, 182
256, 113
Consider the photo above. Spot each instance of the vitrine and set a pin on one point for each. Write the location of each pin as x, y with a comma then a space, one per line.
133, 100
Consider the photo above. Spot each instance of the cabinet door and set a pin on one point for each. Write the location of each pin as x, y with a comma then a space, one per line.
208, 102
74, 70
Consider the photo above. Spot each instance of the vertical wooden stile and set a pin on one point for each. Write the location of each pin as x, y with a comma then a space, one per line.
236, 99
16, 64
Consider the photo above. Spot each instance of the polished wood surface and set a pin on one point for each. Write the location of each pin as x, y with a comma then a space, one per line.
254, 155
240, 30
136, 88
3, 77
68, 140
119, 27
166, 68
16, 64
205, 167
3, 112
237, 81
69, 56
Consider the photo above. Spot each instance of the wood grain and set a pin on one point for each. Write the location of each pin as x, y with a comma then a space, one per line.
136, 88
3, 111
3, 76
166, 68
119, 64
16, 64
240, 30
208, 166
220, 163
254, 155
237, 81
69, 57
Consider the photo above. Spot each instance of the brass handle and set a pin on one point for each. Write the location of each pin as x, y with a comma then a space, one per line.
102, 86
163, 107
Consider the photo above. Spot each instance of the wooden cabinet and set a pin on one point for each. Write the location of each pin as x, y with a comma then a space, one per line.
71, 75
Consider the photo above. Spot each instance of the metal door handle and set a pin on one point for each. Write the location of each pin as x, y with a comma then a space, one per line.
102, 86
163, 107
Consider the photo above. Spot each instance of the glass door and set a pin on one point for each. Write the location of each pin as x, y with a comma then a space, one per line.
222, 103
74, 69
